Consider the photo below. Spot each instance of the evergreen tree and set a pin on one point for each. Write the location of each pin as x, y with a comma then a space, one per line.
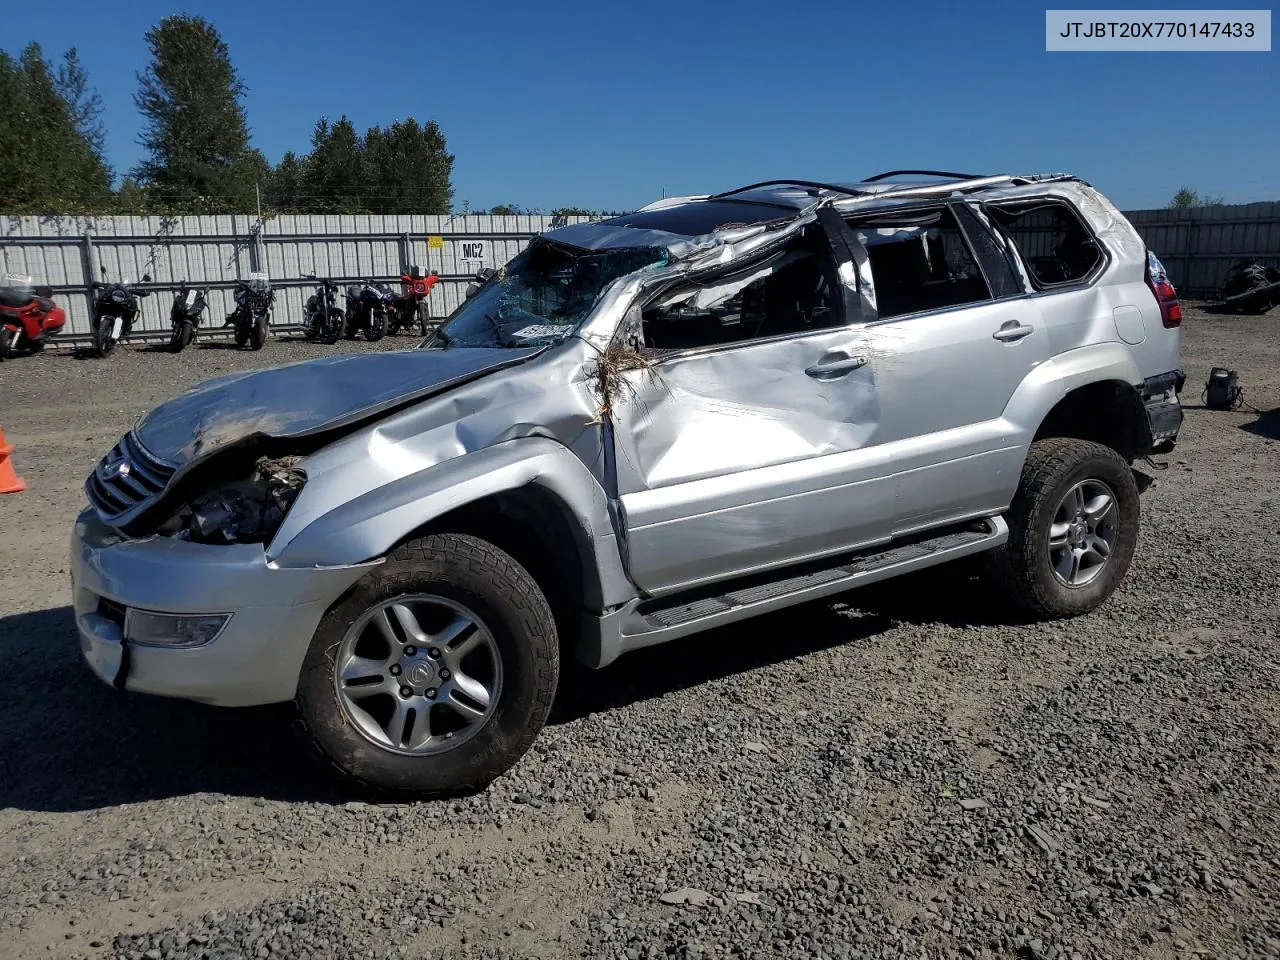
282, 190
407, 169
334, 175
51, 145
195, 133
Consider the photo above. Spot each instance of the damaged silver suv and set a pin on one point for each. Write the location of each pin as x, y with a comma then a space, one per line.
637, 430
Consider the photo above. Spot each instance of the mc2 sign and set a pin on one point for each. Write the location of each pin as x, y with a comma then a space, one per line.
473, 252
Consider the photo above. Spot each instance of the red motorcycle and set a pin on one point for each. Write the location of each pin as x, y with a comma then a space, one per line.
28, 315
406, 312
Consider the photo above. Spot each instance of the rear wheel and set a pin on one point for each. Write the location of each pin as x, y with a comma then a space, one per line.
1073, 528
102, 339
435, 673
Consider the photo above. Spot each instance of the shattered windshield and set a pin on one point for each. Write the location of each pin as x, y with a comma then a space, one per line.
541, 297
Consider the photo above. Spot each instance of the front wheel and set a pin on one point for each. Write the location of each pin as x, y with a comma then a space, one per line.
180, 337
434, 674
258, 335
103, 342
377, 327
1073, 528
336, 323
6, 342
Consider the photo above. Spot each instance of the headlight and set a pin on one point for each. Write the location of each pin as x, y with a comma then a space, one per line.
173, 629
246, 511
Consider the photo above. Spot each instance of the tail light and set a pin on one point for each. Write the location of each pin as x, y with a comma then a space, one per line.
1166, 296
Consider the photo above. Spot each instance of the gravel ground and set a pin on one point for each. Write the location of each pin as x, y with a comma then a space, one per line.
908, 772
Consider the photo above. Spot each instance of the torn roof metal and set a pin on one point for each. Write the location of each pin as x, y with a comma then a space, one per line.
692, 225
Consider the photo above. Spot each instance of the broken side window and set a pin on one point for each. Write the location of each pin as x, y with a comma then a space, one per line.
920, 260
1051, 239
790, 292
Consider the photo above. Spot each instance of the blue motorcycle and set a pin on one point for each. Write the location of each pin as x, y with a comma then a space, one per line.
369, 307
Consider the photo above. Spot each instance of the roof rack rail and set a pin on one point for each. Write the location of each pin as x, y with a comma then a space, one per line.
925, 173
813, 184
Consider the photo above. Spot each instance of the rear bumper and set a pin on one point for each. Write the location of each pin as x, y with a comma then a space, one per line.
257, 656
1164, 409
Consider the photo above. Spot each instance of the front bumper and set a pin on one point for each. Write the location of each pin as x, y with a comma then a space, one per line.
257, 656
1164, 409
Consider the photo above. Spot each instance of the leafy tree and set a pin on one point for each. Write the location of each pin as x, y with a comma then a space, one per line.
195, 128
131, 199
573, 212
51, 151
1186, 197
505, 210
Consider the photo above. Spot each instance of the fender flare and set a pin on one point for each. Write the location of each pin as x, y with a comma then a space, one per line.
368, 526
1046, 385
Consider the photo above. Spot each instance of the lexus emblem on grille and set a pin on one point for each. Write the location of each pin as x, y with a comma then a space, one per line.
115, 470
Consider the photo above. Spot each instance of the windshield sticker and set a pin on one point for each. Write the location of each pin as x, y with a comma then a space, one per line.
540, 330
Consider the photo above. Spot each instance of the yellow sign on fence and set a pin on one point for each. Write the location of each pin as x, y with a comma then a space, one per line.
435, 243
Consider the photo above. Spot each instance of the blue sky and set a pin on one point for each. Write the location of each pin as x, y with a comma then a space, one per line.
607, 104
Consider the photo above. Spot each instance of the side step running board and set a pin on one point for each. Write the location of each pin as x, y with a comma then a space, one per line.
642, 625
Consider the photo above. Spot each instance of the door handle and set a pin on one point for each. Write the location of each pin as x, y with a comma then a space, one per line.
829, 368
1013, 330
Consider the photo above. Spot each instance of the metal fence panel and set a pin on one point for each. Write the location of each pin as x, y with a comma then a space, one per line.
1198, 244
68, 253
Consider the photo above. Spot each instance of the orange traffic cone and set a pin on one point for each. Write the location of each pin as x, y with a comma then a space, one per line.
10, 482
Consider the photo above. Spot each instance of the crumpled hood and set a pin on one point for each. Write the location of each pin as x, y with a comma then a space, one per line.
308, 397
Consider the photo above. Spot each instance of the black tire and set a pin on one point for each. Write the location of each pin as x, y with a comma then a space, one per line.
180, 337
1023, 568
482, 578
258, 335
6, 343
337, 321
102, 341
377, 328
242, 334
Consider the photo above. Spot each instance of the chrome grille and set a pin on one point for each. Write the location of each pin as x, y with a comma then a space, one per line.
125, 478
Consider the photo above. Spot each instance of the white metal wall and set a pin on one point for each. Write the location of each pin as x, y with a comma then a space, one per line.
68, 252
1197, 246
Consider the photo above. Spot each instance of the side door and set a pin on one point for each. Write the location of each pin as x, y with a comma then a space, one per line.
732, 445
956, 333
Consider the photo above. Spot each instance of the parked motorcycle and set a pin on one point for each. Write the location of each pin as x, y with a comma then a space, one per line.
406, 311
114, 309
322, 319
28, 315
254, 300
368, 306
184, 316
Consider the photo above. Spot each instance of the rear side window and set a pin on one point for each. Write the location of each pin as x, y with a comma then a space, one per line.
920, 260
1051, 239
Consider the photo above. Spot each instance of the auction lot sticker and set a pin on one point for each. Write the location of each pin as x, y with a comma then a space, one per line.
1155, 30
